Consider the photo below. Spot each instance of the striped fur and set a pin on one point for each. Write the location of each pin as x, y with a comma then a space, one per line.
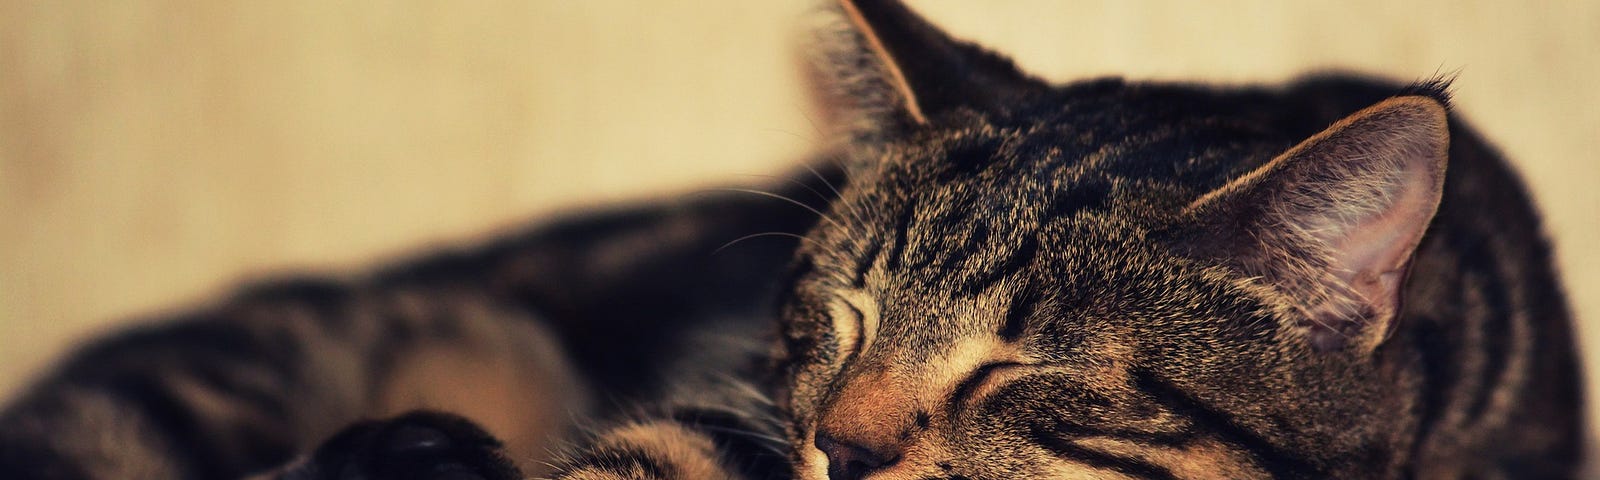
1121, 280
1010, 279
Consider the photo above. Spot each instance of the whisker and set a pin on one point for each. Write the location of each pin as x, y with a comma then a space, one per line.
763, 234
786, 199
819, 133
854, 213
773, 444
825, 182
843, 166
837, 159
860, 210
807, 115
789, 133
794, 182
744, 387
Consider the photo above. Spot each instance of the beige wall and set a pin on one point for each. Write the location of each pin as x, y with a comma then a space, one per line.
153, 153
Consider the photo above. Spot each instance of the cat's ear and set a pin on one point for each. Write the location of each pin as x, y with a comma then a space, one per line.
1332, 223
879, 68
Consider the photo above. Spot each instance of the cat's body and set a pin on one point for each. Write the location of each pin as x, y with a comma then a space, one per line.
601, 312
1009, 280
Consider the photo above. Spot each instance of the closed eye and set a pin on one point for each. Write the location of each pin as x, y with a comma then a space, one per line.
861, 329
850, 327
965, 390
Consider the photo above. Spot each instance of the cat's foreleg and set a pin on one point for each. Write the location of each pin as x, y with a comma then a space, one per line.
723, 432
420, 445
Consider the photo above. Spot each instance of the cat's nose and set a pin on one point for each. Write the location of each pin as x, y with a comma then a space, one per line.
866, 425
851, 461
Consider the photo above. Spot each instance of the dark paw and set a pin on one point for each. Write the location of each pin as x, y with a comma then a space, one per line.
415, 446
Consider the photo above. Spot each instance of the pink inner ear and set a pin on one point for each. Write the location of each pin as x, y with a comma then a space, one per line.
1371, 255
1359, 194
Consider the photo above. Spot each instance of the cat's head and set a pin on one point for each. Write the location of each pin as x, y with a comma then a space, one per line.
1014, 286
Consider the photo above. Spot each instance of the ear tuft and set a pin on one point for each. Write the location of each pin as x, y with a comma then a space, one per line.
1437, 88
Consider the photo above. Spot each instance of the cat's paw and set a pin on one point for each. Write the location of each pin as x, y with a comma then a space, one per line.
415, 446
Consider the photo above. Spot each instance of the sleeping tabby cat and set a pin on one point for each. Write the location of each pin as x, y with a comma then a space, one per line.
1007, 279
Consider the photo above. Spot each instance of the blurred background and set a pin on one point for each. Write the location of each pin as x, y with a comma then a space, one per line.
154, 153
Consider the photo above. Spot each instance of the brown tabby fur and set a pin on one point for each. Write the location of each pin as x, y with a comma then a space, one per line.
1334, 278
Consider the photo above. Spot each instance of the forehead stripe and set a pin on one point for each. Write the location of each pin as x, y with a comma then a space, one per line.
897, 252
1020, 257
1064, 448
864, 264
1022, 306
1276, 461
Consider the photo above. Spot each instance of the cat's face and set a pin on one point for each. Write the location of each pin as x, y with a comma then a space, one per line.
984, 323
986, 300
978, 325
